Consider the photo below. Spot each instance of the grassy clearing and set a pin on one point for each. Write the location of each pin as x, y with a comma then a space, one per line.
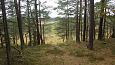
55, 51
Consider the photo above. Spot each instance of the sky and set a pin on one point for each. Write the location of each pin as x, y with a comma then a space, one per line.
52, 3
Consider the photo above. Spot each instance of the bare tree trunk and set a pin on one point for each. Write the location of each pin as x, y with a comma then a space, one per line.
92, 22
100, 34
107, 30
113, 30
34, 38
37, 24
107, 27
41, 35
104, 28
33, 30
29, 26
19, 19
85, 19
7, 39
26, 39
80, 20
1, 40
44, 32
68, 34
66, 31
16, 40
87, 30
77, 25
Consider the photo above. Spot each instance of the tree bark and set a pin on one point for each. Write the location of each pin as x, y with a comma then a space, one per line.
1, 40
77, 25
41, 35
80, 20
67, 20
100, 34
113, 30
37, 24
85, 19
19, 19
7, 39
44, 32
91, 30
33, 29
29, 27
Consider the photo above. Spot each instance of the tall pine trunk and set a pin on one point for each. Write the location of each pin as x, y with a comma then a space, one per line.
80, 20
91, 30
37, 24
43, 32
85, 19
33, 29
113, 30
77, 25
100, 33
19, 20
7, 39
68, 31
41, 35
29, 27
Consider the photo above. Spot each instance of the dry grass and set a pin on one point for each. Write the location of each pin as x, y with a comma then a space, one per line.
71, 54
68, 54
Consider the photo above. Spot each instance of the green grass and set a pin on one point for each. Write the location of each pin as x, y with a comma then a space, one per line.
63, 54
100, 45
112, 49
2, 56
55, 51
78, 53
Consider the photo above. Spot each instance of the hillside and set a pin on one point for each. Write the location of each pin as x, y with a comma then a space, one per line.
66, 54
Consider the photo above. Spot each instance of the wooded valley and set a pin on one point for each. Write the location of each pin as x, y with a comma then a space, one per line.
82, 32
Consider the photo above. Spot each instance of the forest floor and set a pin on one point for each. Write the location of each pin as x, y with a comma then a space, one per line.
66, 54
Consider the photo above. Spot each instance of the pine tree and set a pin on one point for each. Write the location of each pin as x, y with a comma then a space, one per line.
7, 39
100, 34
19, 20
37, 24
77, 24
29, 26
91, 30
85, 19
